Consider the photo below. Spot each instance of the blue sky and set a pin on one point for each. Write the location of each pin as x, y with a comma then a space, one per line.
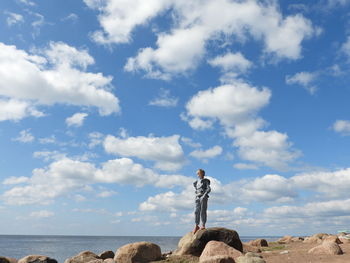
108, 108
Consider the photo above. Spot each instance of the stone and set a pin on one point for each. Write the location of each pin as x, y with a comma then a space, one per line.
260, 242
249, 248
297, 239
250, 258
285, 240
327, 248
332, 238
37, 259
138, 252
106, 254
7, 260
313, 240
193, 244
109, 260
218, 259
217, 248
84, 257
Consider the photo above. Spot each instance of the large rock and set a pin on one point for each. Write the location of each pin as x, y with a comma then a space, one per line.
332, 238
218, 259
106, 254
193, 244
313, 240
285, 240
218, 248
7, 260
139, 252
249, 248
327, 248
37, 259
250, 258
260, 242
84, 257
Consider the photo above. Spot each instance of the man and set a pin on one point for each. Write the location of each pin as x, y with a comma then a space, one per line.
202, 186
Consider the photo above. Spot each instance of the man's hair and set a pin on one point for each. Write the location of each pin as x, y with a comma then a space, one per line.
202, 171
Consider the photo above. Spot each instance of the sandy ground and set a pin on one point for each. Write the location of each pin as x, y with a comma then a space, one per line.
297, 253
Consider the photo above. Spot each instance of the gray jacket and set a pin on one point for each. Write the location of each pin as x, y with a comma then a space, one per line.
202, 187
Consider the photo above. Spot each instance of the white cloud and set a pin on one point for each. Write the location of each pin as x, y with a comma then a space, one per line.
15, 180
25, 136
345, 48
305, 79
207, 154
49, 155
42, 214
118, 18
105, 194
27, 2
57, 76
165, 151
332, 184
96, 138
68, 177
182, 47
235, 106
342, 126
76, 119
48, 140
13, 18
190, 142
235, 62
71, 17
15, 110
245, 166
164, 99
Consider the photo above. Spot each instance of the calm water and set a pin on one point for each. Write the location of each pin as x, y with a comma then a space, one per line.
63, 247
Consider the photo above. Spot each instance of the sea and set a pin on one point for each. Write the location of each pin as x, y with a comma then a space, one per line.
63, 247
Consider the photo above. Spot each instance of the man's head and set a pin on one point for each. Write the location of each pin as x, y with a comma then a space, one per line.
201, 173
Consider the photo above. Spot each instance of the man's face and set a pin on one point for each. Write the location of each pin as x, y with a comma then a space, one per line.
199, 174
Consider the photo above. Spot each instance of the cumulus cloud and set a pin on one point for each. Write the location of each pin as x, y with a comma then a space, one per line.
182, 47
25, 136
332, 184
305, 79
53, 75
15, 110
67, 176
207, 154
235, 62
164, 99
76, 119
342, 126
235, 106
166, 152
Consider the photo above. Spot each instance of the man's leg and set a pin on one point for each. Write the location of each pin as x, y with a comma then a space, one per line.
197, 212
203, 209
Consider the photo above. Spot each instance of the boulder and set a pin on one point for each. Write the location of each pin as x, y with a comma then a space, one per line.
84, 257
37, 259
297, 239
260, 242
344, 239
332, 238
249, 248
106, 254
138, 252
312, 240
327, 248
7, 260
321, 235
218, 248
250, 258
285, 240
193, 244
218, 259
109, 260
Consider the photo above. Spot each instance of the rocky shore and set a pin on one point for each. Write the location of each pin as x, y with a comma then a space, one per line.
218, 245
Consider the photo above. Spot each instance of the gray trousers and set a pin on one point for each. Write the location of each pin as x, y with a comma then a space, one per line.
200, 212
